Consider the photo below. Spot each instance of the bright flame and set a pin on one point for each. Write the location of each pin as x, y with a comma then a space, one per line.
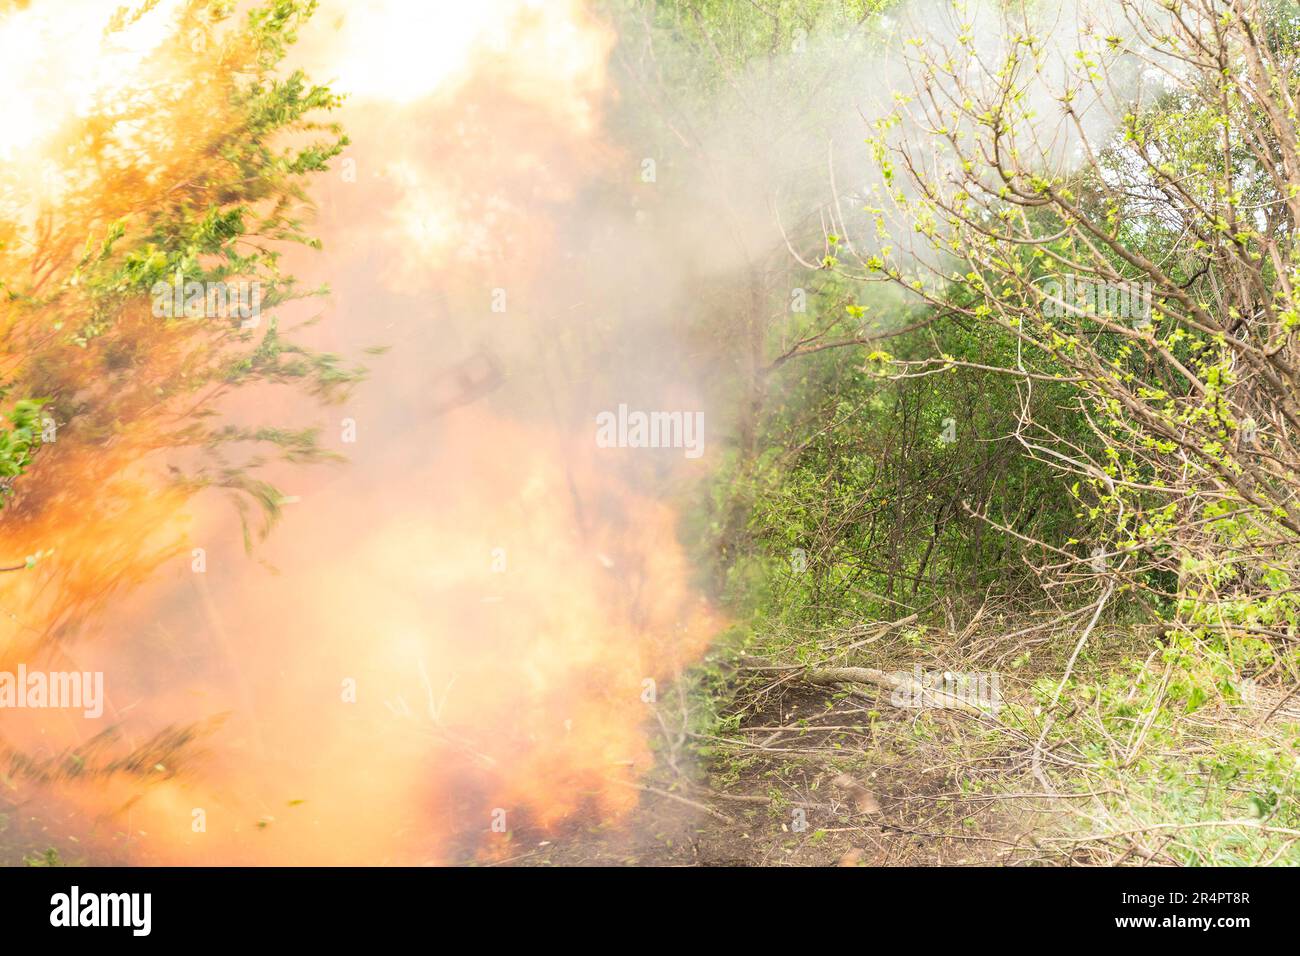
476, 650
480, 682
450, 154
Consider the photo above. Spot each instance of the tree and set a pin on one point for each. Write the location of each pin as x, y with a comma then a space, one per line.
190, 177
1131, 224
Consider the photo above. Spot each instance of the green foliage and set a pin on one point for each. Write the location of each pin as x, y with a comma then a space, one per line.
198, 180
1007, 445
48, 858
18, 443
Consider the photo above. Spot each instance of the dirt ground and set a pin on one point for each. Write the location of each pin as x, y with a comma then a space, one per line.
847, 784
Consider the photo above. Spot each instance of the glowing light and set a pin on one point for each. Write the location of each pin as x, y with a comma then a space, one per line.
400, 51
57, 64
